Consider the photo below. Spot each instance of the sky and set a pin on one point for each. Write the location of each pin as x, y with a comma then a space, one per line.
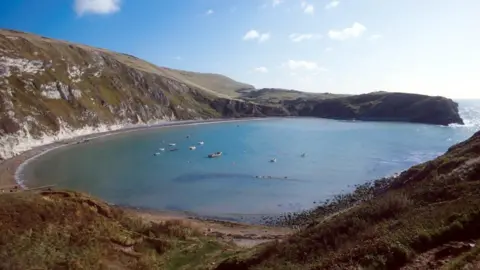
339, 46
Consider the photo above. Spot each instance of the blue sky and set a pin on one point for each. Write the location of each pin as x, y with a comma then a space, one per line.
340, 46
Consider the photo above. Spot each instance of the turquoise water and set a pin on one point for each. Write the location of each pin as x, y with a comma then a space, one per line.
340, 154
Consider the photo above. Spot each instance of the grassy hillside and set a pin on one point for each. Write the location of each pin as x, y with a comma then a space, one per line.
50, 87
426, 218
68, 230
278, 96
213, 83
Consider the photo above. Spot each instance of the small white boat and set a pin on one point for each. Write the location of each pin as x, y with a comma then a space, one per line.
192, 147
200, 143
172, 144
161, 149
214, 155
156, 154
273, 160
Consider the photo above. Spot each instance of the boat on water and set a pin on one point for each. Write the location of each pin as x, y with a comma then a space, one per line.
192, 147
273, 160
173, 149
200, 143
214, 155
156, 154
161, 149
172, 144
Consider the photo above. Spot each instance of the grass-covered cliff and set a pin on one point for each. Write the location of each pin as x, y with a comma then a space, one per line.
52, 88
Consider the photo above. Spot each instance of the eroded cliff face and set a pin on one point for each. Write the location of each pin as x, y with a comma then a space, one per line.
51, 90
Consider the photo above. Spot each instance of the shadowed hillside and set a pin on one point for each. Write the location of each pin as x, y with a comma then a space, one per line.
426, 218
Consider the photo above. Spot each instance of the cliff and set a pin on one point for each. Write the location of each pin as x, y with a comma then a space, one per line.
55, 89
380, 106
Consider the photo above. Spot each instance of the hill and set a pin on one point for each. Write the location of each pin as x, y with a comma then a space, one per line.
69, 230
380, 106
428, 217
275, 96
52, 89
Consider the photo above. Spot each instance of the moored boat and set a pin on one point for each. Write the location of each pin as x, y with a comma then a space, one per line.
214, 155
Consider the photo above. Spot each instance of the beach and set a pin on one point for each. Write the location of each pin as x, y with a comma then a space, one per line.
9, 168
241, 234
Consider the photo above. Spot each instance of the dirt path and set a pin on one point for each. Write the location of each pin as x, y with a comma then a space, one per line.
439, 257
243, 235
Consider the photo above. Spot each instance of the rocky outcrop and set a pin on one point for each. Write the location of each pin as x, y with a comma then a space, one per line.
381, 106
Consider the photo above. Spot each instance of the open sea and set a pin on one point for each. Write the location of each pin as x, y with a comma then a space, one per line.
243, 182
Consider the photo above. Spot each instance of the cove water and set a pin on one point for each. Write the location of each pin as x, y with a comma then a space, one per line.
123, 169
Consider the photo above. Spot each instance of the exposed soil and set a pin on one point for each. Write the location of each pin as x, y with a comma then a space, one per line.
244, 235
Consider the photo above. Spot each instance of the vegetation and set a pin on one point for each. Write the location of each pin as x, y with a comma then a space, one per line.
427, 218
275, 96
69, 230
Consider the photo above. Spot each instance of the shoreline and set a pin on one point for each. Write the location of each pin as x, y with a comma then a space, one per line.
11, 169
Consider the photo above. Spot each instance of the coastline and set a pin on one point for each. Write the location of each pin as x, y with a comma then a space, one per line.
11, 169
241, 234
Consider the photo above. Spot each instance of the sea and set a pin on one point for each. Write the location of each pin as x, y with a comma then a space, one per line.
267, 166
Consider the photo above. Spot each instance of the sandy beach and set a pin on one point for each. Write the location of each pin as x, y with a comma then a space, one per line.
9, 167
242, 234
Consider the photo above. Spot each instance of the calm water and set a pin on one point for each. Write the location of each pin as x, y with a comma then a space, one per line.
123, 170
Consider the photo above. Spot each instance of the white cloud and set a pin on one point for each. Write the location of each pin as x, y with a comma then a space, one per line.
276, 2
252, 34
332, 4
96, 6
209, 12
302, 65
255, 35
261, 69
375, 37
264, 37
307, 8
296, 37
355, 31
